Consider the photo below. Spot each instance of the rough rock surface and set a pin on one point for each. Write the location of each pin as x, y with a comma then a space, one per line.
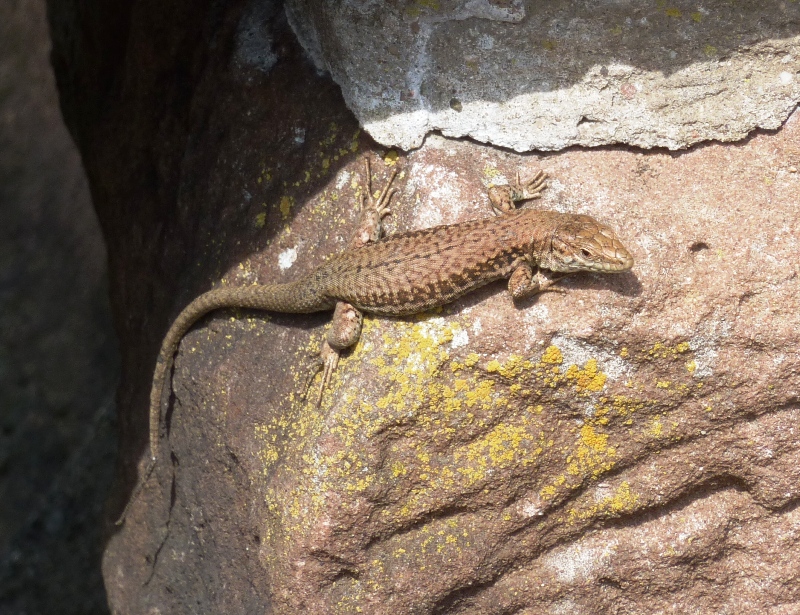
547, 75
627, 445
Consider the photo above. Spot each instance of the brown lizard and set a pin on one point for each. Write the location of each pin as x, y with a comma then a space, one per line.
412, 272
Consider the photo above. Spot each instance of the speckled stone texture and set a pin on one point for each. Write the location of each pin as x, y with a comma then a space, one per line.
627, 445
533, 75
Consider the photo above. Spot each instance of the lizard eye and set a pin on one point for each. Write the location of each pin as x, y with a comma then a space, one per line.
585, 252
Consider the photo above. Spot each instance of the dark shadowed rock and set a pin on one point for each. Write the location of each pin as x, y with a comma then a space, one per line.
58, 367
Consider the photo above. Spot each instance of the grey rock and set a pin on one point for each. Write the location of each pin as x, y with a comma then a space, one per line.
548, 75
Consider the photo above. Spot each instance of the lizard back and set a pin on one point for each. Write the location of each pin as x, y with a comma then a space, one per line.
409, 272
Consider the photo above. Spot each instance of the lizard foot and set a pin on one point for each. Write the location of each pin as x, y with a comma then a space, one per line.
381, 204
504, 198
330, 359
369, 226
524, 284
547, 283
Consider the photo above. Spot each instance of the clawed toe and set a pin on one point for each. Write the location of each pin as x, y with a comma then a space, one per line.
533, 189
330, 359
379, 205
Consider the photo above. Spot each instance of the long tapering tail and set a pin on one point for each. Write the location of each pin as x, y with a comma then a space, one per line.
302, 296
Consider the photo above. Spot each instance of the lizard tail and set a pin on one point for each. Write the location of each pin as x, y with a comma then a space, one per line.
294, 297
302, 296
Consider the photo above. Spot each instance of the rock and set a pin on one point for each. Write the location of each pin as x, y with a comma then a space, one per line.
630, 441
548, 75
58, 357
626, 444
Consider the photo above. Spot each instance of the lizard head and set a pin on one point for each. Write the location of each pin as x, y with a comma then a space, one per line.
581, 243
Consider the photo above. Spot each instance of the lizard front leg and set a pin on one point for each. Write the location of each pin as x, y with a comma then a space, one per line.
504, 198
523, 283
346, 322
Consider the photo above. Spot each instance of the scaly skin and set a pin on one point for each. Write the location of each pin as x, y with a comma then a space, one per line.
413, 272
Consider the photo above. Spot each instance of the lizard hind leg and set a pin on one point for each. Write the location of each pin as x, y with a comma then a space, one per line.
380, 204
344, 332
347, 319
330, 360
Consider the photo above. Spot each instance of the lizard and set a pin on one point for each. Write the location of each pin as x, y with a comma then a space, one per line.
412, 272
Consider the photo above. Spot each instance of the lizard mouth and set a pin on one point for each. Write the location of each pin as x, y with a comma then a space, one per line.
609, 258
622, 261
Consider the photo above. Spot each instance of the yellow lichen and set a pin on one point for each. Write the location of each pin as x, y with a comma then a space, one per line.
444, 436
493, 366
552, 355
398, 469
514, 366
491, 173
471, 360
587, 379
656, 428
481, 393
622, 501
286, 204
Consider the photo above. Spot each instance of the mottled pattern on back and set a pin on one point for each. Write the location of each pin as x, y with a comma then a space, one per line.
411, 272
